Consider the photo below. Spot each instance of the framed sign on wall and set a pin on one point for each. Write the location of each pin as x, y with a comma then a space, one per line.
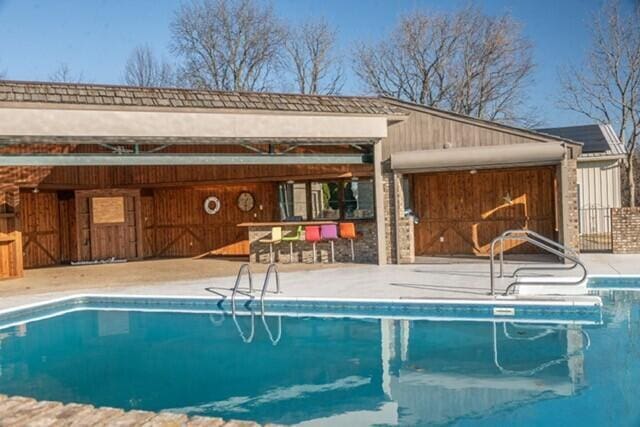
108, 210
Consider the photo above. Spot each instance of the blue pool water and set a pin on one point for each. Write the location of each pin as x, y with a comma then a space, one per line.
334, 370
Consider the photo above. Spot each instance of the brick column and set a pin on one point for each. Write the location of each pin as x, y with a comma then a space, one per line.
568, 215
625, 230
398, 228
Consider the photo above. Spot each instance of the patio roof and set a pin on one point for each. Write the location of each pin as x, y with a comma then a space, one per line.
20, 92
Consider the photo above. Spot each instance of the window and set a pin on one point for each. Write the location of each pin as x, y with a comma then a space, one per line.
293, 201
325, 200
358, 199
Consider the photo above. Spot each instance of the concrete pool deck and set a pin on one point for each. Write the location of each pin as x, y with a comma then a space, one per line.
441, 279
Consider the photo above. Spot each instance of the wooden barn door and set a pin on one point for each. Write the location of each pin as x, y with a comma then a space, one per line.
109, 224
461, 212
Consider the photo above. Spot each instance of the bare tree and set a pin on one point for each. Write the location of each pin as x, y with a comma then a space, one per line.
144, 69
606, 87
63, 74
464, 61
228, 44
492, 68
312, 58
412, 63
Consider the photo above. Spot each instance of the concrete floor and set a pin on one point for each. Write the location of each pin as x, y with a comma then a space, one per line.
443, 279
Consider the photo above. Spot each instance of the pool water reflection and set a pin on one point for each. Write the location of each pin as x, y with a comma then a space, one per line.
335, 371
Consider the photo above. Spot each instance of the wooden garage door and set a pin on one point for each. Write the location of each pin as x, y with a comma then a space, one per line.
460, 212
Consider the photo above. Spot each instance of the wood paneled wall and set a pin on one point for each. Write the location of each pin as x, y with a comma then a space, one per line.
40, 217
10, 236
428, 130
176, 225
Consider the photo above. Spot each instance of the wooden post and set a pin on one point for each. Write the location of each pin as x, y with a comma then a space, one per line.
11, 261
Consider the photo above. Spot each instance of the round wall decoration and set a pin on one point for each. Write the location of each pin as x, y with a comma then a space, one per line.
246, 201
212, 205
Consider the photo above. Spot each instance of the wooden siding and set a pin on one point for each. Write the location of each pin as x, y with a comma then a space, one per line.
176, 225
120, 240
10, 235
425, 130
173, 224
460, 213
40, 219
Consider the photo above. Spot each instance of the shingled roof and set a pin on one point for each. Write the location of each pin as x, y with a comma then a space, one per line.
130, 96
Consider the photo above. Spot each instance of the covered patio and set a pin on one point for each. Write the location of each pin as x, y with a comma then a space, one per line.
94, 173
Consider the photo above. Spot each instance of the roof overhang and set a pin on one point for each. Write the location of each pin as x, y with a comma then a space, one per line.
181, 159
478, 157
602, 157
69, 122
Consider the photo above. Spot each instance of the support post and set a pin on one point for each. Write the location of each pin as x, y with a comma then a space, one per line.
379, 199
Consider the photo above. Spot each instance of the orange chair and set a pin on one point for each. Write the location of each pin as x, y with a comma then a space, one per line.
348, 231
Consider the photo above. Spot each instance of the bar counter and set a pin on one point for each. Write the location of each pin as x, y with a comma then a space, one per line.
365, 244
285, 223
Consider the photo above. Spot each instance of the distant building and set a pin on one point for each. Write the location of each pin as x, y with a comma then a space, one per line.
599, 181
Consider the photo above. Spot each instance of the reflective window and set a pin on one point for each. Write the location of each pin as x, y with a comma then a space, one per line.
325, 200
358, 199
293, 201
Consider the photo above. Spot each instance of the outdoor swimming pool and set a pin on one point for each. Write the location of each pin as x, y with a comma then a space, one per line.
312, 368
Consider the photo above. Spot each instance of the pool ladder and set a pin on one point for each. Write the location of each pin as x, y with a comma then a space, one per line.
543, 243
245, 268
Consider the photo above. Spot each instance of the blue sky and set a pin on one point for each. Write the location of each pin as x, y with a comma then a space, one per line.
94, 37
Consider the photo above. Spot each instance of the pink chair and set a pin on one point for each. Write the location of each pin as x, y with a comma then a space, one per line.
329, 233
312, 235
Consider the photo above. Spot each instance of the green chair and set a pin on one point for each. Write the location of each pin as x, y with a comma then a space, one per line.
293, 238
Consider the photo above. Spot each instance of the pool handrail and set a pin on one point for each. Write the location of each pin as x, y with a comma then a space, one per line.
537, 236
267, 277
538, 241
243, 268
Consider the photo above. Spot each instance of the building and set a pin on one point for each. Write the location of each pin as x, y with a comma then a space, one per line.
599, 181
95, 172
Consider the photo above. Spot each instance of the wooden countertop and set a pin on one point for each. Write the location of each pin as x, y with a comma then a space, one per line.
284, 223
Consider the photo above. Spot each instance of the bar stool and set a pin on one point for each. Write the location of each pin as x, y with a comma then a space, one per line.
276, 237
329, 233
295, 238
312, 235
348, 232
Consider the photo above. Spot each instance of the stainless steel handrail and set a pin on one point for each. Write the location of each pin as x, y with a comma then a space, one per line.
523, 235
272, 267
537, 236
243, 267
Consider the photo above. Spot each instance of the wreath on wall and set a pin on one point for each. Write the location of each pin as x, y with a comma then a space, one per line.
212, 205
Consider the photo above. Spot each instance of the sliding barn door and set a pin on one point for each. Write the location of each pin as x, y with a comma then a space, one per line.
461, 212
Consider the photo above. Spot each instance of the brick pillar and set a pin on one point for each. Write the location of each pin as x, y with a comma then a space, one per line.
398, 228
568, 215
625, 230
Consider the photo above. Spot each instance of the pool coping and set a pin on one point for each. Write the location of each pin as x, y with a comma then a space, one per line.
578, 309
